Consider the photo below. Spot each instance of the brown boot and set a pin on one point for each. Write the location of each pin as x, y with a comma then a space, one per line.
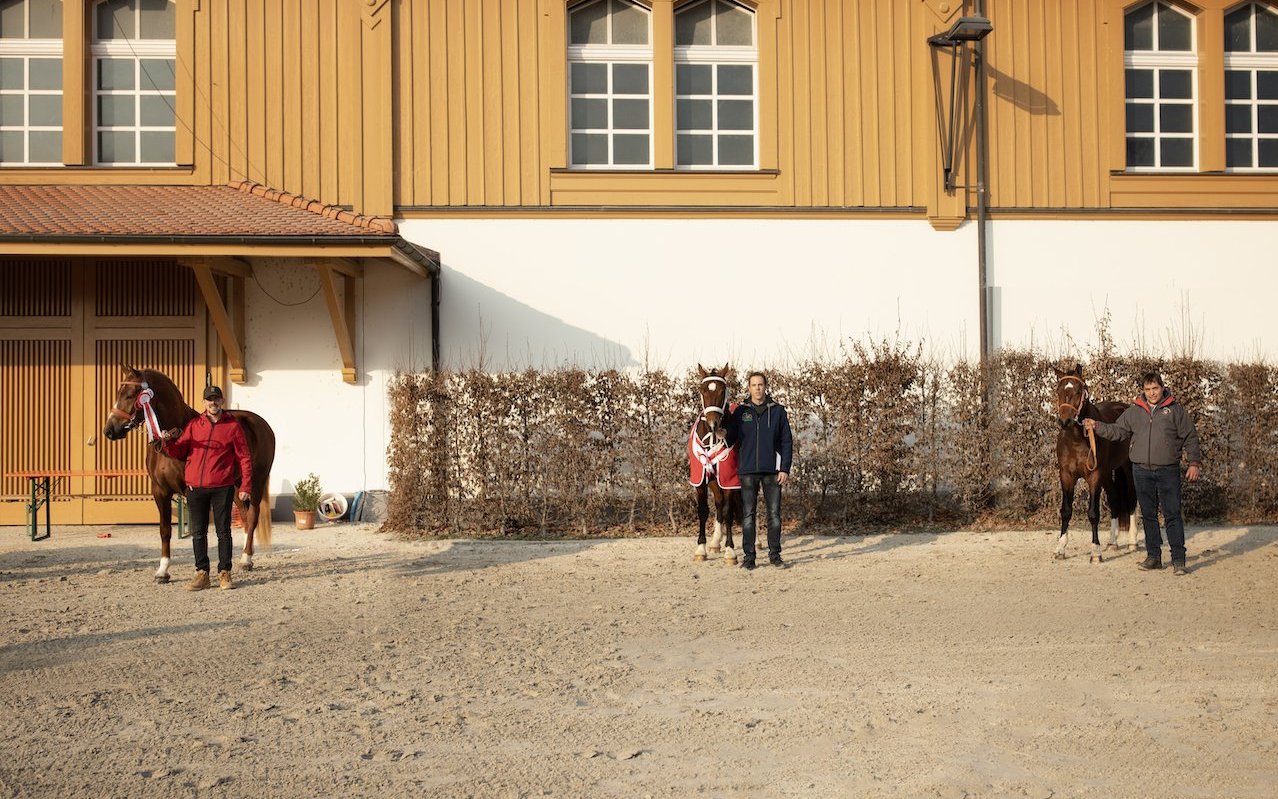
224, 581
200, 582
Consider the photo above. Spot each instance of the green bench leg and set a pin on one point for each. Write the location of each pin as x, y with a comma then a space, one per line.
39, 496
181, 513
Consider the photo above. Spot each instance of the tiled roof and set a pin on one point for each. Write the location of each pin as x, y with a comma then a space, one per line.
242, 209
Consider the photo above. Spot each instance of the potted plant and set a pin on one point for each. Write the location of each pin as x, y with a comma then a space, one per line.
306, 495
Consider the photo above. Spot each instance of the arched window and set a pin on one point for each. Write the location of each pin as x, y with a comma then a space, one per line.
716, 85
1251, 87
30, 82
134, 55
610, 84
1160, 61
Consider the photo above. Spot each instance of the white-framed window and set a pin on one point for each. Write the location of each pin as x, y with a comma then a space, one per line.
716, 86
1160, 61
610, 85
134, 80
30, 82
1251, 88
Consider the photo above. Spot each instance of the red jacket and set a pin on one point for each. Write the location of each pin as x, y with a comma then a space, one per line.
211, 451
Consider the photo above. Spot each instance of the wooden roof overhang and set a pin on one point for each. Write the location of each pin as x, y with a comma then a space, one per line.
212, 231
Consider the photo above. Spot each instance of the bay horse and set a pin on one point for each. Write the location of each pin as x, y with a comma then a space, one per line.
714, 465
1103, 464
167, 474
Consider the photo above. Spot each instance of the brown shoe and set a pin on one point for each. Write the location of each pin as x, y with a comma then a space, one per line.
1178, 568
224, 581
200, 582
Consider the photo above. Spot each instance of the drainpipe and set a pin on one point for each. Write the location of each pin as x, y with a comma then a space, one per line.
982, 206
434, 321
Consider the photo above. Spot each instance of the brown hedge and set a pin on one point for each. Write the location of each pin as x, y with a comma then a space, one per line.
885, 438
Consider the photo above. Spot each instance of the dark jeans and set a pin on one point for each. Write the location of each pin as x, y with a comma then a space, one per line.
199, 501
1154, 487
750, 484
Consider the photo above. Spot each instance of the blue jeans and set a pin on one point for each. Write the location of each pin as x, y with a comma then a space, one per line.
1157, 486
750, 484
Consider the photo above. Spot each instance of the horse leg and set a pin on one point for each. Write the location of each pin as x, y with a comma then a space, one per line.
164, 503
1067, 512
723, 524
248, 514
716, 543
1093, 515
703, 512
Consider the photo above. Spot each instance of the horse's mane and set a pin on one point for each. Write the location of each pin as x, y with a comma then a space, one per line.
165, 388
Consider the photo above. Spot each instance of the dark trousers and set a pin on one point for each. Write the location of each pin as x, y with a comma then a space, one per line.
199, 501
750, 484
1160, 486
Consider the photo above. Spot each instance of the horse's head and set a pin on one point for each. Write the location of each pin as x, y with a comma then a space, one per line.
126, 413
713, 389
1071, 395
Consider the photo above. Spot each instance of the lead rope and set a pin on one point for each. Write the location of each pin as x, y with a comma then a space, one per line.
1091, 458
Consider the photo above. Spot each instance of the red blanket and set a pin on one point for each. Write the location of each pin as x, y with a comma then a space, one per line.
719, 461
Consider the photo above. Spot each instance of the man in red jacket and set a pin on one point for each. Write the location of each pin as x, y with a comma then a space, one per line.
213, 446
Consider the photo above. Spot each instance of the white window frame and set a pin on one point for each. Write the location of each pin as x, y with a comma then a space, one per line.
27, 49
609, 54
136, 50
1252, 62
713, 55
1157, 60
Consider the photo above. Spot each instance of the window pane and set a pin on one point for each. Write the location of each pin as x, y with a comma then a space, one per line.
1140, 118
1238, 31
694, 115
13, 25
629, 78
1267, 119
629, 24
157, 22
1238, 119
11, 74
46, 147
45, 73
589, 113
630, 148
1267, 85
1175, 84
1138, 30
1268, 152
11, 146
12, 112
630, 114
115, 73
1140, 152
692, 26
589, 148
590, 24
157, 111
1237, 85
1174, 29
1177, 152
736, 115
736, 150
1176, 119
736, 79
45, 110
1238, 153
1266, 30
116, 110
115, 20
115, 147
735, 25
1140, 83
695, 150
158, 75
46, 21
589, 78
692, 79
157, 147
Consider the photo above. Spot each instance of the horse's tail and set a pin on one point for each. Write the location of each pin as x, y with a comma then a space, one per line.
1124, 504
263, 534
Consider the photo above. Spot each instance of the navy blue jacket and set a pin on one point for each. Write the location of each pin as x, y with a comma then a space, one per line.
766, 444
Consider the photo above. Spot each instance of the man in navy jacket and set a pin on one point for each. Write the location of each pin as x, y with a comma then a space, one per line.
762, 428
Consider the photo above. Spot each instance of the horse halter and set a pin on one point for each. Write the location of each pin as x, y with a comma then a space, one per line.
130, 419
1077, 410
708, 438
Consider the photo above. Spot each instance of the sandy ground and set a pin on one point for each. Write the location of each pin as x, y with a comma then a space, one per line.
353, 664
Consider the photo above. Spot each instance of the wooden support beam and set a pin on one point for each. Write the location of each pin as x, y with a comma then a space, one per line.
342, 316
221, 319
347, 267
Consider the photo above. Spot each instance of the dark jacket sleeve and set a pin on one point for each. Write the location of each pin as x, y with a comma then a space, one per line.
787, 443
180, 447
732, 427
240, 445
1188, 433
1119, 430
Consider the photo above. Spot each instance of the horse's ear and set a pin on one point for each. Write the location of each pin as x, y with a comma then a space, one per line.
727, 367
1058, 372
1078, 369
701, 371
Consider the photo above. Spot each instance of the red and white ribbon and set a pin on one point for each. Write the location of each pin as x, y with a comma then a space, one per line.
148, 413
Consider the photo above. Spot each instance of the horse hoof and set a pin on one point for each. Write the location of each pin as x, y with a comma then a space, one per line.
1111, 546
715, 550
698, 557
1058, 556
1095, 559
248, 567
161, 579
730, 561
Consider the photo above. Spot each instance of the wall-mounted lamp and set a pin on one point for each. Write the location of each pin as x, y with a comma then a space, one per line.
966, 29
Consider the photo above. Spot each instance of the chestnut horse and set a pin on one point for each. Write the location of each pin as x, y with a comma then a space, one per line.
713, 465
167, 473
1103, 464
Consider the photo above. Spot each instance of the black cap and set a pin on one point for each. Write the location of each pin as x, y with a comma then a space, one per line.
212, 392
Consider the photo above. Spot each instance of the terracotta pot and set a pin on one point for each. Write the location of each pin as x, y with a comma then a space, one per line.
305, 519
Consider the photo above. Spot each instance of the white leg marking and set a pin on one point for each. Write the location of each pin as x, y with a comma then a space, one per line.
1060, 544
1096, 554
729, 555
1131, 532
701, 552
163, 571
716, 543
246, 559
1113, 534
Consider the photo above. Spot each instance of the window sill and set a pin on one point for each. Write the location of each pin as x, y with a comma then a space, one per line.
581, 170
1193, 189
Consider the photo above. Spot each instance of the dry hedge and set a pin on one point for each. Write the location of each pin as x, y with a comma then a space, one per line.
884, 439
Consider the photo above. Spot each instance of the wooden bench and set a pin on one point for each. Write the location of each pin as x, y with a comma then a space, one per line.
42, 481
